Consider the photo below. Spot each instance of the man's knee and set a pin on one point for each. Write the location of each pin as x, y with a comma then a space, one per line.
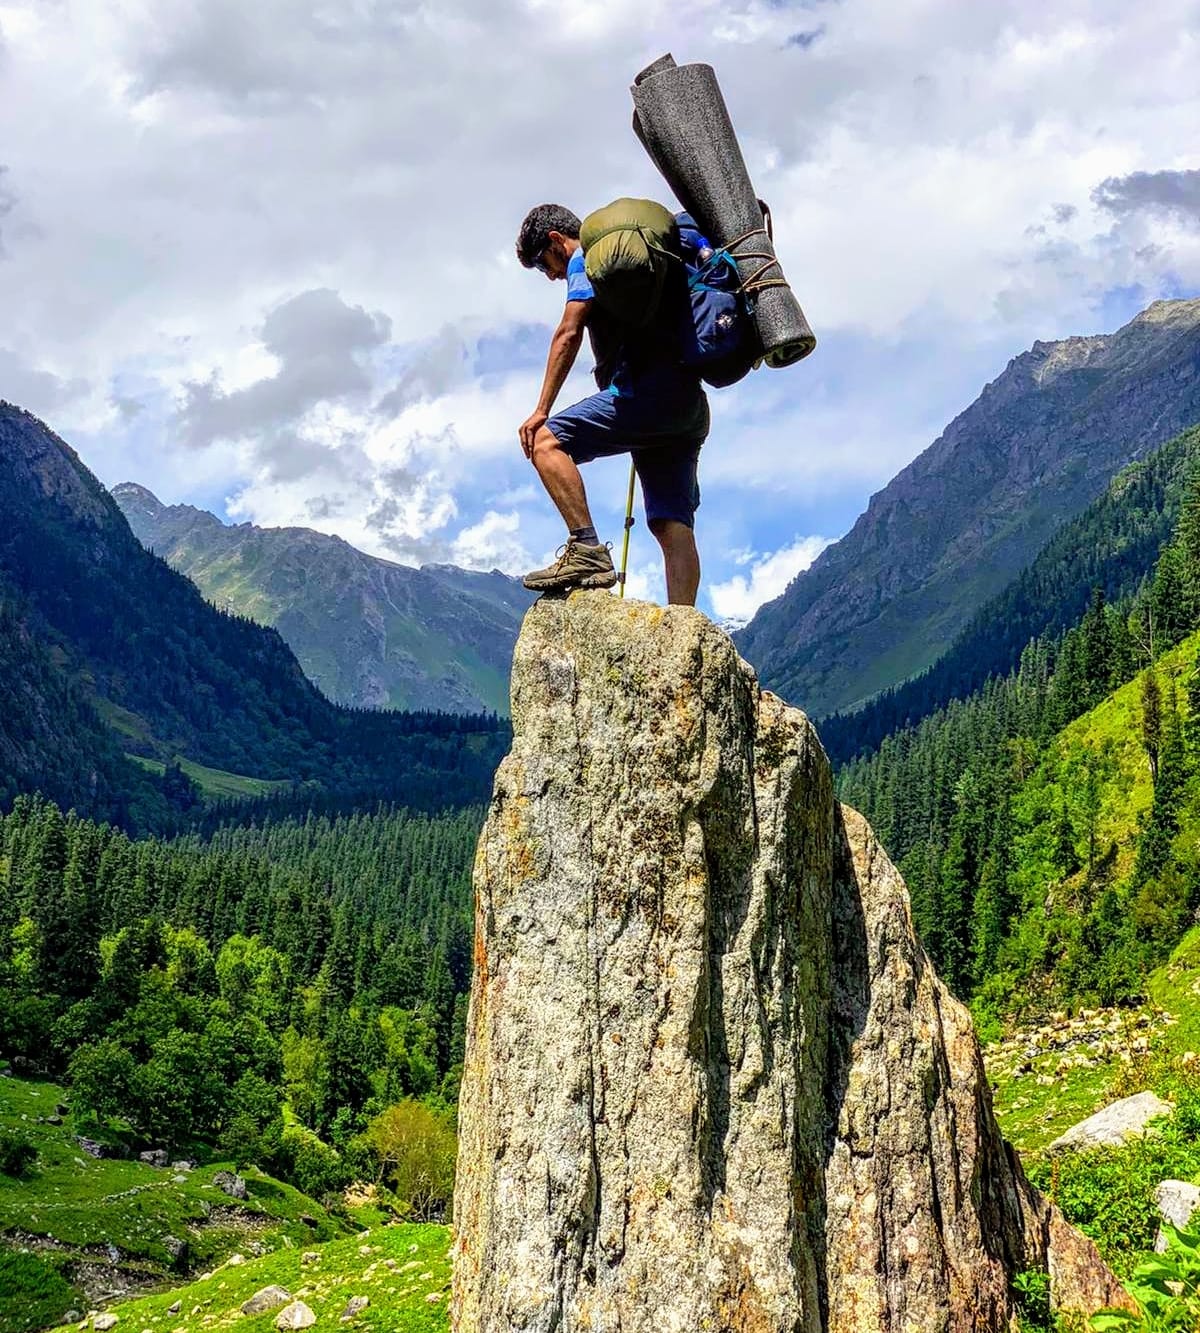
545, 443
670, 531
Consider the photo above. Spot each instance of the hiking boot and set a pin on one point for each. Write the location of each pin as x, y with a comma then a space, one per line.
577, 566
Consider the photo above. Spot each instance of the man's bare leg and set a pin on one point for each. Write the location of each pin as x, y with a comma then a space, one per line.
681, 558
562, 480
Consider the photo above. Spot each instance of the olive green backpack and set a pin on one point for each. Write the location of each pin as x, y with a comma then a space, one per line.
629, 247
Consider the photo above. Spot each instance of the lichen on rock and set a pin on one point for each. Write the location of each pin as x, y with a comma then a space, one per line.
712, 1082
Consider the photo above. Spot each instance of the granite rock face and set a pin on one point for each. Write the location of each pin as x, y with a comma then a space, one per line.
712, 1082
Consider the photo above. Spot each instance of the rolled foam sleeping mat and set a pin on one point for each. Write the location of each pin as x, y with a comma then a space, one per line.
683, 123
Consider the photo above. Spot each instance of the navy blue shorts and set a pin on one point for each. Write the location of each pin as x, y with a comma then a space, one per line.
661, 418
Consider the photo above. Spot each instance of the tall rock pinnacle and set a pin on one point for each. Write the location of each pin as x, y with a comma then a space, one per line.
712, 1082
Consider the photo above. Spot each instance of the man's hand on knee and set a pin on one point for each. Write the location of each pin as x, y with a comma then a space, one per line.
529, 431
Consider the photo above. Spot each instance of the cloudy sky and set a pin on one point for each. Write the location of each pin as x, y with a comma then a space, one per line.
259, 257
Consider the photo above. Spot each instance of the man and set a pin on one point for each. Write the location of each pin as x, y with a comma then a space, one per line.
648, 405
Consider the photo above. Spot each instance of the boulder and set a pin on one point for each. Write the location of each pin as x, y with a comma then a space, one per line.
230, 1184
355, 1306
1177, 1201
296, 1315
1113, 1124
711, 1079
268, 1298
102, 1322
155, 1157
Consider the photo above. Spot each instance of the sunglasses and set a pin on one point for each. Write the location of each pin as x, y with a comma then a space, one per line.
540, 262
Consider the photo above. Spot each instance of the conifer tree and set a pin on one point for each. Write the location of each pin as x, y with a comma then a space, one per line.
1066, 858
1151, 720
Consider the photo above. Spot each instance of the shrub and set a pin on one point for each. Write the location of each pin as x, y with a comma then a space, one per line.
17, 1153
1108, 1193
1166, 1288
416, 1149
312, 1165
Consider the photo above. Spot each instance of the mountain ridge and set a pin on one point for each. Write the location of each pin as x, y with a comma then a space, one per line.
152, 669
965, 516
368, 631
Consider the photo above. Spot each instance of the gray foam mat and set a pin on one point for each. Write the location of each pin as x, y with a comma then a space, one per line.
681, 118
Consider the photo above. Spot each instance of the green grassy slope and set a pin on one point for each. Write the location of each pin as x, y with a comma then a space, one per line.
215, 783
1047, 1077
403, 1270
1098, 770
96, 1224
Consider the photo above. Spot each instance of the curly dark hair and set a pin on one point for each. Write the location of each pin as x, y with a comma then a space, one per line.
534, 235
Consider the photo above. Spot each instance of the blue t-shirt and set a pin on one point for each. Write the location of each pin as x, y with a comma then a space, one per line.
579, 286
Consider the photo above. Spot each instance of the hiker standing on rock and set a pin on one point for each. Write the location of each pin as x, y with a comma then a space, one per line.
648, 405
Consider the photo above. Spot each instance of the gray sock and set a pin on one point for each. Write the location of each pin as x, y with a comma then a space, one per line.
586, 535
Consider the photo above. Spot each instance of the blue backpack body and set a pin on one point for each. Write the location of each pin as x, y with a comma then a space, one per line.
717, 335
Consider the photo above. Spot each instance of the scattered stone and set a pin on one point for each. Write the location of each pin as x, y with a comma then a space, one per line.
179, 1180
355, 1305
174, 1247
231, 1184
424, 1277
154, 1157
175, 1309
101, 1322
90, 1146
296, 1315
183, 1165
309, 1220
412, 1263
54, 1120
310, 1257
72, 1316
234, 1261
433, 1296
269, 1298
1177, 1200
1111, 1126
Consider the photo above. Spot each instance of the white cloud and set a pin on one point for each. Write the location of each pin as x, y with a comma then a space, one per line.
180, 172
492, 543
740, 596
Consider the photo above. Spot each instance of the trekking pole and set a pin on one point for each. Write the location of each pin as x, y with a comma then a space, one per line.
628, 524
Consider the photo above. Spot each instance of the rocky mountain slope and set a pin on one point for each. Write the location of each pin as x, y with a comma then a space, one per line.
134, 646
1112, 545
368, 633
711, 1079
966, 516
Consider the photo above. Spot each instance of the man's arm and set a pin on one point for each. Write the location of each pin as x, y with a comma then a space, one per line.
564, 348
